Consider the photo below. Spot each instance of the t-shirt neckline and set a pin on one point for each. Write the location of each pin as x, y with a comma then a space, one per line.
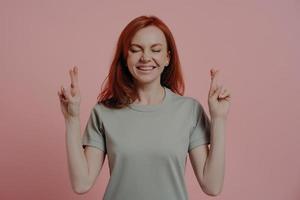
153, 107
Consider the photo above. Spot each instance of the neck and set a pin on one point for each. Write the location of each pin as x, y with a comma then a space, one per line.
149, 95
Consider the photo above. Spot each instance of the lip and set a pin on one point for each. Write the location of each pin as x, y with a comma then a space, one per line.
146, 66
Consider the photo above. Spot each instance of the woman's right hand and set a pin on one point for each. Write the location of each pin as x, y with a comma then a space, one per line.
70, 97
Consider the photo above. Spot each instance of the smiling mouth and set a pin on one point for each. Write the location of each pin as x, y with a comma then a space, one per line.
145, 68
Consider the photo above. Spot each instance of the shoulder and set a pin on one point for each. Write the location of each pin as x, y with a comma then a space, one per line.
186, 104
103, 112
98, 109
186, 100
179, 98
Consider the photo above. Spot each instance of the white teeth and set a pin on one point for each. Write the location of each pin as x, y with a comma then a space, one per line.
146, 68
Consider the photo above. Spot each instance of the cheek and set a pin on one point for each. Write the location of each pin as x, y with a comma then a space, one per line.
132, 59
159, 58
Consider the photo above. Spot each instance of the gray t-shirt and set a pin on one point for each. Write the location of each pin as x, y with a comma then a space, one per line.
147, 146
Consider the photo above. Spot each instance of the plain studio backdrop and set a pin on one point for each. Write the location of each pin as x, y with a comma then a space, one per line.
254, 44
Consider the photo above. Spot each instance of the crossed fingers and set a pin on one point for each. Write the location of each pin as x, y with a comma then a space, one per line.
215, 87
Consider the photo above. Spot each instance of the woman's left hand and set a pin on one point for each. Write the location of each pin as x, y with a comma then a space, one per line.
218, 97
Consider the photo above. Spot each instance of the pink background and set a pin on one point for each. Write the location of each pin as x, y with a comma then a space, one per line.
255, 44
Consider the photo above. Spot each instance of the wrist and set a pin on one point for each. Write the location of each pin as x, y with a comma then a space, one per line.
218, 119
72, 119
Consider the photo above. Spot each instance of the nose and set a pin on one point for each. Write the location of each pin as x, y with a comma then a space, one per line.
145, 58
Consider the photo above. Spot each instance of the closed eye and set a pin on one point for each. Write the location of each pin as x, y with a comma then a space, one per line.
156, 50
134, 51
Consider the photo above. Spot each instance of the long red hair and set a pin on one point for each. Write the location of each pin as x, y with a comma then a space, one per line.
120, 90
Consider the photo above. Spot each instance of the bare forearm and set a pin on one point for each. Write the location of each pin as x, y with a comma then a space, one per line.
78, 168
215, 163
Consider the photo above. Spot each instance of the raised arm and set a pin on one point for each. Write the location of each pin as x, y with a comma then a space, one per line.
84, 164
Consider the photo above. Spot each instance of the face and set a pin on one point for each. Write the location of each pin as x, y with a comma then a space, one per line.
148, 55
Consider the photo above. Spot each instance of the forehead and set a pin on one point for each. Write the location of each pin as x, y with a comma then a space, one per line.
148, 36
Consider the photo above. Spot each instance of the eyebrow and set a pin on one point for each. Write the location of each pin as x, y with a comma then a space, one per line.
156, 44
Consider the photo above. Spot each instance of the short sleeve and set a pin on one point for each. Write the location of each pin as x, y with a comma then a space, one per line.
94, 134
200, 133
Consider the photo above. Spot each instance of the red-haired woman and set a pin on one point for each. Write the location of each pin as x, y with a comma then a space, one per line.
144, 124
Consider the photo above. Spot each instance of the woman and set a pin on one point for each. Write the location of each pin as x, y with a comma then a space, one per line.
144, 124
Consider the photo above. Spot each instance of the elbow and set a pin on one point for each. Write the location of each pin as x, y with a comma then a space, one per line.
213, 192
212, 188
80, 189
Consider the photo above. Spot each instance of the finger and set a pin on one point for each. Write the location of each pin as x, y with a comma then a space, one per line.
218, 91
213, 92
63, 100
65, 93
60, 94
226, 95
62, 91
212, 71
222, 92
62, 97
214, 80
74, 76
75, 70
71, 73
75, 73
227, 98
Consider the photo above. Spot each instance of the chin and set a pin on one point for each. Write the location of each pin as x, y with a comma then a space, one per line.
146, 80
